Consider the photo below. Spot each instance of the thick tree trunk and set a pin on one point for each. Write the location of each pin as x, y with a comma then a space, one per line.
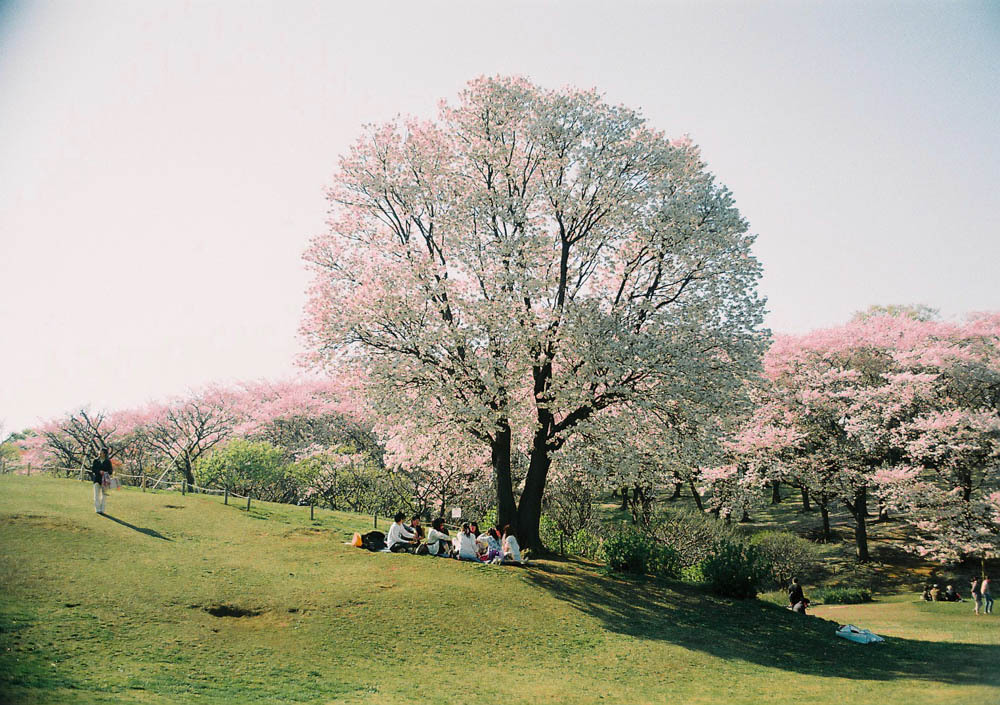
775, 492
806, 507
500, 459
697, 497
677, 490
188, 472
624, 493
883, 511
529, 511
824, 510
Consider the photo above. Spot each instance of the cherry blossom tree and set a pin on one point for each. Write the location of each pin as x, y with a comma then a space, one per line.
529, 263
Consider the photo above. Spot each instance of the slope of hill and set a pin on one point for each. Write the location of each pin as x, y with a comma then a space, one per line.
176, 599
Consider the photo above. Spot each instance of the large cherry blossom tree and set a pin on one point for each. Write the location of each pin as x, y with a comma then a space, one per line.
532, 262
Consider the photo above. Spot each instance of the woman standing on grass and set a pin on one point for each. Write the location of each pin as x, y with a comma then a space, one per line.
977, 594
100, 468
984, 588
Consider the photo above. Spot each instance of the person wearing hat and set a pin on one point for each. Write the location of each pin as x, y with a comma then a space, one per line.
100, 468
936, 595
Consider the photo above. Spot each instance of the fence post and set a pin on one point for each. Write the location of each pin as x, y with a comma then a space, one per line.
312, 511
375, 519
29, 469
248, 501
184, 485
226, 500
143, 478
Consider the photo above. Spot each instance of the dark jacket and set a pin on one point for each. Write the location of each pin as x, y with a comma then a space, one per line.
98, 467
795, 595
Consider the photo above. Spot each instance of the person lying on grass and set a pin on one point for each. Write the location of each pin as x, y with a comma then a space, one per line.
438, 540
466, 545
401, 538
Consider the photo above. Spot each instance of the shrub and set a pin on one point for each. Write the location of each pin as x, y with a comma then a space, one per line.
693, 573
692, 534
733, 570
784, 556
631, 551
843, 595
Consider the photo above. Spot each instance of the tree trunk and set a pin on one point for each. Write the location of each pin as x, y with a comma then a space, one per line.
824, 510
500, 459
776, 492
883, 511
624, 493
529, 511
697, 497
859, 509
186, 469
677, 490
806, 507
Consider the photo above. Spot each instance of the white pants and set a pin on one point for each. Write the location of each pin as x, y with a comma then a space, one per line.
99, 497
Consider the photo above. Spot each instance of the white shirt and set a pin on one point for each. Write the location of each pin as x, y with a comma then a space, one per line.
467, 546
511, 550
437, 541
398, 534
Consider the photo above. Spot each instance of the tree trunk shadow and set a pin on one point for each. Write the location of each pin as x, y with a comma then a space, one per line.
761, 633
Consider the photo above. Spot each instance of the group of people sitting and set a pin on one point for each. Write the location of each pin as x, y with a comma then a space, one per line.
932, 593
468, 544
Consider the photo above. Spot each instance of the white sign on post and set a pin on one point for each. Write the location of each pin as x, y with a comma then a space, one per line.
456, 513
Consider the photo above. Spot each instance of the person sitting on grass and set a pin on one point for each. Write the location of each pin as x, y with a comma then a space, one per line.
927, 594
491, 540
951, 595
416, 528
466, 549
438, 540
936, 594
797, 601
511, 549
401, 539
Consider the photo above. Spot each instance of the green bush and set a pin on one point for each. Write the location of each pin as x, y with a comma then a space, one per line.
784, 556
692, 534
693, 573
631, 551
734, 569
843, 595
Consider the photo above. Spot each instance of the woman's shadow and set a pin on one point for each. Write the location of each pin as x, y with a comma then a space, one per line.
149, 532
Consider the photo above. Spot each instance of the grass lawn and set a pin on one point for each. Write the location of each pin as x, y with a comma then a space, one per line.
120, 610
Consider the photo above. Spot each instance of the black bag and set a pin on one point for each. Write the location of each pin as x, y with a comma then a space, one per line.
373, 541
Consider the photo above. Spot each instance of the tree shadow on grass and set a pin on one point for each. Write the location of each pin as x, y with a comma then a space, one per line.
758, 632
148, 532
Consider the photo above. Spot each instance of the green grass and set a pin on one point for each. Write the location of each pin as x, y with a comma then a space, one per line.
102, 610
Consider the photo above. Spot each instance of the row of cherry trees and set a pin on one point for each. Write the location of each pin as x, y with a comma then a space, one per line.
894, 410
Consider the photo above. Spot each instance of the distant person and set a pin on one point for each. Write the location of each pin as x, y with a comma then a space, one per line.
415, 526
401, 539
936, 595
984, 588
511, 549
494, 548
951, 595
438, 540
100, 473
977, 593
797, 601
466, 548
927, 594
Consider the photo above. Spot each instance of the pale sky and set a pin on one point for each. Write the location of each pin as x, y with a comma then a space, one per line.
162, 163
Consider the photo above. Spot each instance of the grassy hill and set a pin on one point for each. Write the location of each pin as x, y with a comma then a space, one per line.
177, 599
